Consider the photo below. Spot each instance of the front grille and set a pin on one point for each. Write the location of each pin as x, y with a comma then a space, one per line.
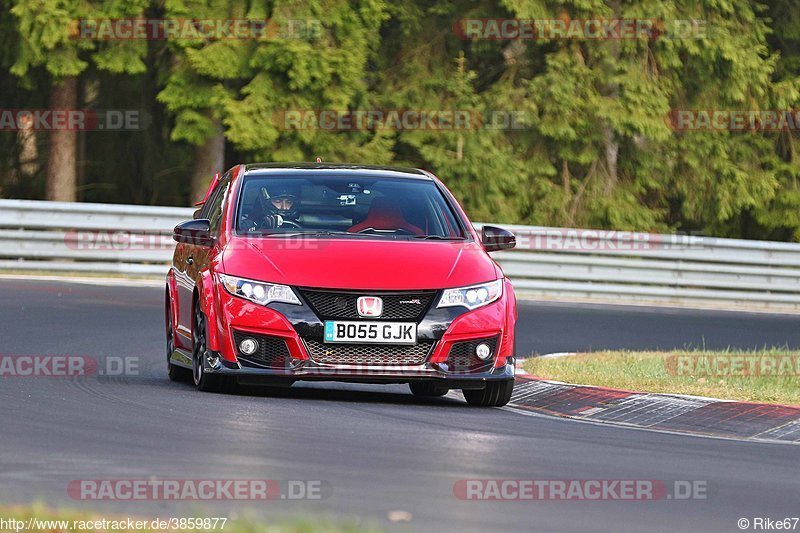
462, 358
341, 305
272, 352
369, 354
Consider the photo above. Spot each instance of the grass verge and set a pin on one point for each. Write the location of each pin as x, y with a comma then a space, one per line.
769, 376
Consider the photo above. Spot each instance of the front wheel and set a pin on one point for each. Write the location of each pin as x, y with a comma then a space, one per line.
495, 394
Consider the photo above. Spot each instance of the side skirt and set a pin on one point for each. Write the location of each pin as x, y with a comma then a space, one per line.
181, 358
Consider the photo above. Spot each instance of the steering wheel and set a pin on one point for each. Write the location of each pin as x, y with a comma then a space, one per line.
397, 231
291, 224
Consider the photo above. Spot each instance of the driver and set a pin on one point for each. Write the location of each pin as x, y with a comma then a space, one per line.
278, 207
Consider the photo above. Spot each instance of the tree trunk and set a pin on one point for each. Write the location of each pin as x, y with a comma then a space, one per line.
62, 162
610, 143
612, 154
28, 149
209, 159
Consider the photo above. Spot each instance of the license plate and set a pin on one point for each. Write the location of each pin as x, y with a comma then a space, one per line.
371, 332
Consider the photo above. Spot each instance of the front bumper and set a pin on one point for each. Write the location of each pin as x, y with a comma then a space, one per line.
300, 327
308, 370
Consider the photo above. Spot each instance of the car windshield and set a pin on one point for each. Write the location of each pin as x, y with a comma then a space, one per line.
352, 206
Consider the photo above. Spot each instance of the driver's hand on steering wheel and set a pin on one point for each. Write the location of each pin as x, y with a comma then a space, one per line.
248, 224
268, 222
272, 221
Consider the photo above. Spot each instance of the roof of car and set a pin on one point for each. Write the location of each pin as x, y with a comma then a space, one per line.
336, 168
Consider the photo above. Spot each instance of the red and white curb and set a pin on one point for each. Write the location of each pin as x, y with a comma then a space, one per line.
660, 412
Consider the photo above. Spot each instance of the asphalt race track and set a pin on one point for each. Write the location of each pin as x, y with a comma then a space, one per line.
378, 448
557, 327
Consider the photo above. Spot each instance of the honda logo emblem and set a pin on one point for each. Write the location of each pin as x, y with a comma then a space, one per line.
369, 306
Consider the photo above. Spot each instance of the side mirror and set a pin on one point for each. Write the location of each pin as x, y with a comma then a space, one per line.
194, 232
494, 239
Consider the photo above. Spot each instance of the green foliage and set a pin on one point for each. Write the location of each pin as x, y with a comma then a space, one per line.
48, 33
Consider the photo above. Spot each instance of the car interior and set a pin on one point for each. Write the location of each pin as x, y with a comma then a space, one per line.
380, 207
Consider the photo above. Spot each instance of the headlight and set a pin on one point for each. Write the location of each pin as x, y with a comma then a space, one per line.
473, 296
258, 291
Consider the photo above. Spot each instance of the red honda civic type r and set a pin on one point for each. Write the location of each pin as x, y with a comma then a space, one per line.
343, 273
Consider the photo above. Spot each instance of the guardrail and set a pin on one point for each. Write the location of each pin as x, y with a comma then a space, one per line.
83, 237
548, 262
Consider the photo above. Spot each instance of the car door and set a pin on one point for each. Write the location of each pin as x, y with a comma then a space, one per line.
191, 259
201, 254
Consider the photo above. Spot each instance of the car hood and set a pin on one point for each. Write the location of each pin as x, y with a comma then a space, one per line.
355, 263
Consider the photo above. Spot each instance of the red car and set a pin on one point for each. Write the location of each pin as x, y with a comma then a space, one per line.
344, 273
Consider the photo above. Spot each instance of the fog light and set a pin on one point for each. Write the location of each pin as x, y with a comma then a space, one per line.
483, 351
248, 346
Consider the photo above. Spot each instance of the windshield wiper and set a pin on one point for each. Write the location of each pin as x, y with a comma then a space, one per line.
314, 233
438, 238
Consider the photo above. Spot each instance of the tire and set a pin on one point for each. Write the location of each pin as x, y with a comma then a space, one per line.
202, 380
426, 389
175, 372
496, 394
